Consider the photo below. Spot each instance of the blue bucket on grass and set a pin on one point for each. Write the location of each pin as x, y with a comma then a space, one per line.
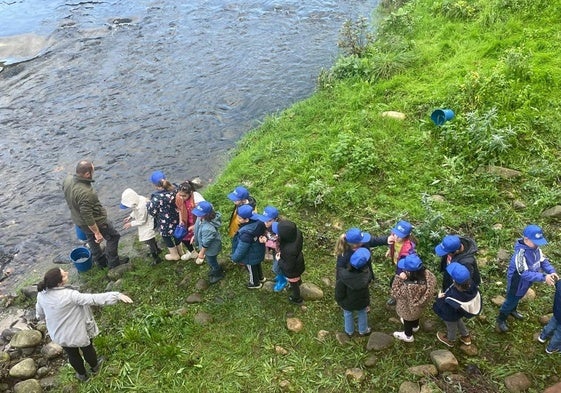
80, 234
441, 116
82, 259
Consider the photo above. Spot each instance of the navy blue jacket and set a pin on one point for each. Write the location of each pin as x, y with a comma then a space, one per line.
246, 247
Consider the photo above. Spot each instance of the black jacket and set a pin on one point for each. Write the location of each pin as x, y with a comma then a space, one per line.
466, 258
291, 242
351, 288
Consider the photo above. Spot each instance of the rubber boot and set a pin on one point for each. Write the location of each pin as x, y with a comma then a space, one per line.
215, 275
295, 297
281, 283
501, 325
155, 258
173, 254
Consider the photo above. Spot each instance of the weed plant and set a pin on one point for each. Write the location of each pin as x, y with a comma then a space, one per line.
333, 161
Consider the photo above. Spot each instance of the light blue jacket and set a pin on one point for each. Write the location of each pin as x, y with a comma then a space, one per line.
207, 235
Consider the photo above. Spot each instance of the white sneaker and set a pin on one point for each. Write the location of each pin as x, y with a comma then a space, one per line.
415, 329
403, 337
189, 255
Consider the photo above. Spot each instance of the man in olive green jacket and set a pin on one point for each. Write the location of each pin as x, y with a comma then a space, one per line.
90, 216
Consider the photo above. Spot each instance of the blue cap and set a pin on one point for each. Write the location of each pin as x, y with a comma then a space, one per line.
123, 206
402, 229
458, 272
411, 263
269, 213
360, 257
245, 211
240, 193
356, 236
450, 244
535, 234
156, 177
275, 227
202, 209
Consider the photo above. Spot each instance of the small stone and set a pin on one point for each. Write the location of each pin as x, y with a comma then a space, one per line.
322, 335
518, 382
203, 318
194, 298
356, 375
280, 350
294, 324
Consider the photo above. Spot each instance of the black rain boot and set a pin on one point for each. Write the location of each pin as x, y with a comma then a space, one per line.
215, 275
501, 325
295, 297
155, 258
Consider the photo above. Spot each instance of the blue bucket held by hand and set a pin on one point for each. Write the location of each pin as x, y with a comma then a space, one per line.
80, 234
82, 259
441, 116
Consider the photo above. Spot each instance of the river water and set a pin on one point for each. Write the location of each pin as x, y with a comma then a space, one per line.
138, 86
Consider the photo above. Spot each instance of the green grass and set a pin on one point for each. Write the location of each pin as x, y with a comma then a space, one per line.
332, 162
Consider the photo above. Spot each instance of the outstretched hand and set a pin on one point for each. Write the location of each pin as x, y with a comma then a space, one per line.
124, 298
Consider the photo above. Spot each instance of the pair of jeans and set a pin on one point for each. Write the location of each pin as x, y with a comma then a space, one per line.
362, 317
111, 256
509, 305
76, 360
452, 328
552, 331
212, 261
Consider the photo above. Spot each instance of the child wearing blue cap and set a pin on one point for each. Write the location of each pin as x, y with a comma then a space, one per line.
401, 244
462, 250
271, 240
460, 300
206, 237
240, 196
552, 331
352, 293
413, 288
246, 247
527, 265
290, 257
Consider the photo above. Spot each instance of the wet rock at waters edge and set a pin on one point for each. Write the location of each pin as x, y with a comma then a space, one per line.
423, 370
294, 324
444, 360
529, 296
552, 212
26, 339
409, 387
42, 372
310, 291
503, 255
517, 383
280, 350
4, 358
30, 291
322, 335
379, 341
24, 369
342, 338
28, 386
355, 375
62, 259
498, 300
394, 115
51, 350
202, 318
194, 298
49, 383
7, 334
371, 361
118, 271
202, 285
544, 319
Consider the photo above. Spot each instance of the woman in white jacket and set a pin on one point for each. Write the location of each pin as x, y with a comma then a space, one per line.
69, 319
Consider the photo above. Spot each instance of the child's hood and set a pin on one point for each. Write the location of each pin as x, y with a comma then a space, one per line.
216, 221
353, 278
288, 231
129, 198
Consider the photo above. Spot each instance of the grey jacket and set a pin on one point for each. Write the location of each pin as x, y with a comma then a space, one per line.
70, 321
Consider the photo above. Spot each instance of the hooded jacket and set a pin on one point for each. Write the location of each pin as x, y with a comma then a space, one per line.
527, 265
291, 243
466, 258
207, 235
246, 247
351, 288
449, 307
85, 207
139, 214
412, 297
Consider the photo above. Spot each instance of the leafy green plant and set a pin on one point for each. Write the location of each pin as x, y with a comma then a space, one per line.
355, 37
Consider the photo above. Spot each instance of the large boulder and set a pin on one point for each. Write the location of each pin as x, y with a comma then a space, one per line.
26, 339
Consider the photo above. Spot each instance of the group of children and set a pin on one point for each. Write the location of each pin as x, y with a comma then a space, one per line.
190, 228
413, 287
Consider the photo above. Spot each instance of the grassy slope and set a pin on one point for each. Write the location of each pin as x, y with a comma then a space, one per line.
332, 162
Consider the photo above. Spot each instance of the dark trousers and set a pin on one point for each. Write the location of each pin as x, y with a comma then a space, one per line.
76, 360
153, 245
408, 326
255, 273
111, 256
